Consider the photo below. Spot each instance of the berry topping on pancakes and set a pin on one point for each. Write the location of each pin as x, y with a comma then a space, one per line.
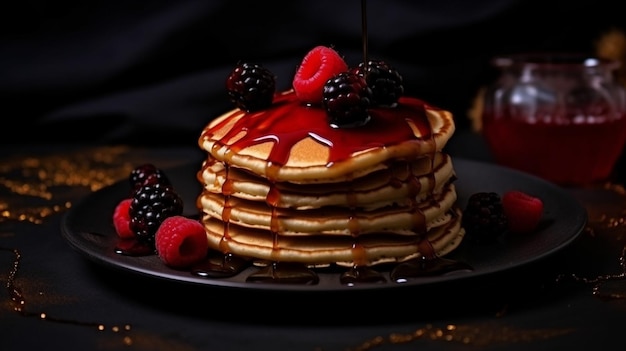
318, 65
346, 98
251, 86
383, 79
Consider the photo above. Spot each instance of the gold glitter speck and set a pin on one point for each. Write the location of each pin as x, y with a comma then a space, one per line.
39, 187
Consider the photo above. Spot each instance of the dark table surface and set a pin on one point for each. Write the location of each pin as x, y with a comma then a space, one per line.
56, 298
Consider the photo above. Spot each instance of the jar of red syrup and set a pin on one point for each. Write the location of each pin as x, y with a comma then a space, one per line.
558, 116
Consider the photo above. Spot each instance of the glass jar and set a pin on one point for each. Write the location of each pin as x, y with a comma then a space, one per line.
557, 116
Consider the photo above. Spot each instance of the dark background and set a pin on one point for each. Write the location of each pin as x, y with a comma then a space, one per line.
153, 72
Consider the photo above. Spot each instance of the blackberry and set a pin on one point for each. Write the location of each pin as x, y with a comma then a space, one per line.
346, 98
484, 219
383, 79
151, 204
251, 87
146, 174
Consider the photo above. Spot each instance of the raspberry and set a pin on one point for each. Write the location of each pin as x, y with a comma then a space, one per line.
121, 219
181, 242
151, 205
383, 79
318, 65
484, 219
251, 87
346, 98
523, 211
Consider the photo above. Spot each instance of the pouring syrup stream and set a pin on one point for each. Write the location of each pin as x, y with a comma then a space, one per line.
364, 30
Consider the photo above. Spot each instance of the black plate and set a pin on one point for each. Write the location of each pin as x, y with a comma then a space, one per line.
88, 228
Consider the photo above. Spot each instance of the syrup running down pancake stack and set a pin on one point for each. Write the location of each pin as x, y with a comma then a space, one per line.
282, 184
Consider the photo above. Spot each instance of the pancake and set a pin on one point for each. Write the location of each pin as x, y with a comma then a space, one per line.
330, 219
322, 250
281, 185
390, 185
308, 149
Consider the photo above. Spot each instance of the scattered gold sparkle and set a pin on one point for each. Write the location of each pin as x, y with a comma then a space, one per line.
51, 181
477, 336
33, 188
144, 341
606, 221
48, 181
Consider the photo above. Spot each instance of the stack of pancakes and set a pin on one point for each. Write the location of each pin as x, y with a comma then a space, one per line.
282, 185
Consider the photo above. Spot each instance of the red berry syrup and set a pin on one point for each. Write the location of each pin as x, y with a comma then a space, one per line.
566, 154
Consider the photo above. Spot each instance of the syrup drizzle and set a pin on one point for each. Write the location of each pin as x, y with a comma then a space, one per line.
284, 272
429, 264
361, 274
220, 265
287, 122
365, 35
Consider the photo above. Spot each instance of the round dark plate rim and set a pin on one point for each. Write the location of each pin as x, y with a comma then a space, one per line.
89, 230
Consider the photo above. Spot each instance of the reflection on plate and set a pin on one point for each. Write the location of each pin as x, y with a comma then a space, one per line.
88, 228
